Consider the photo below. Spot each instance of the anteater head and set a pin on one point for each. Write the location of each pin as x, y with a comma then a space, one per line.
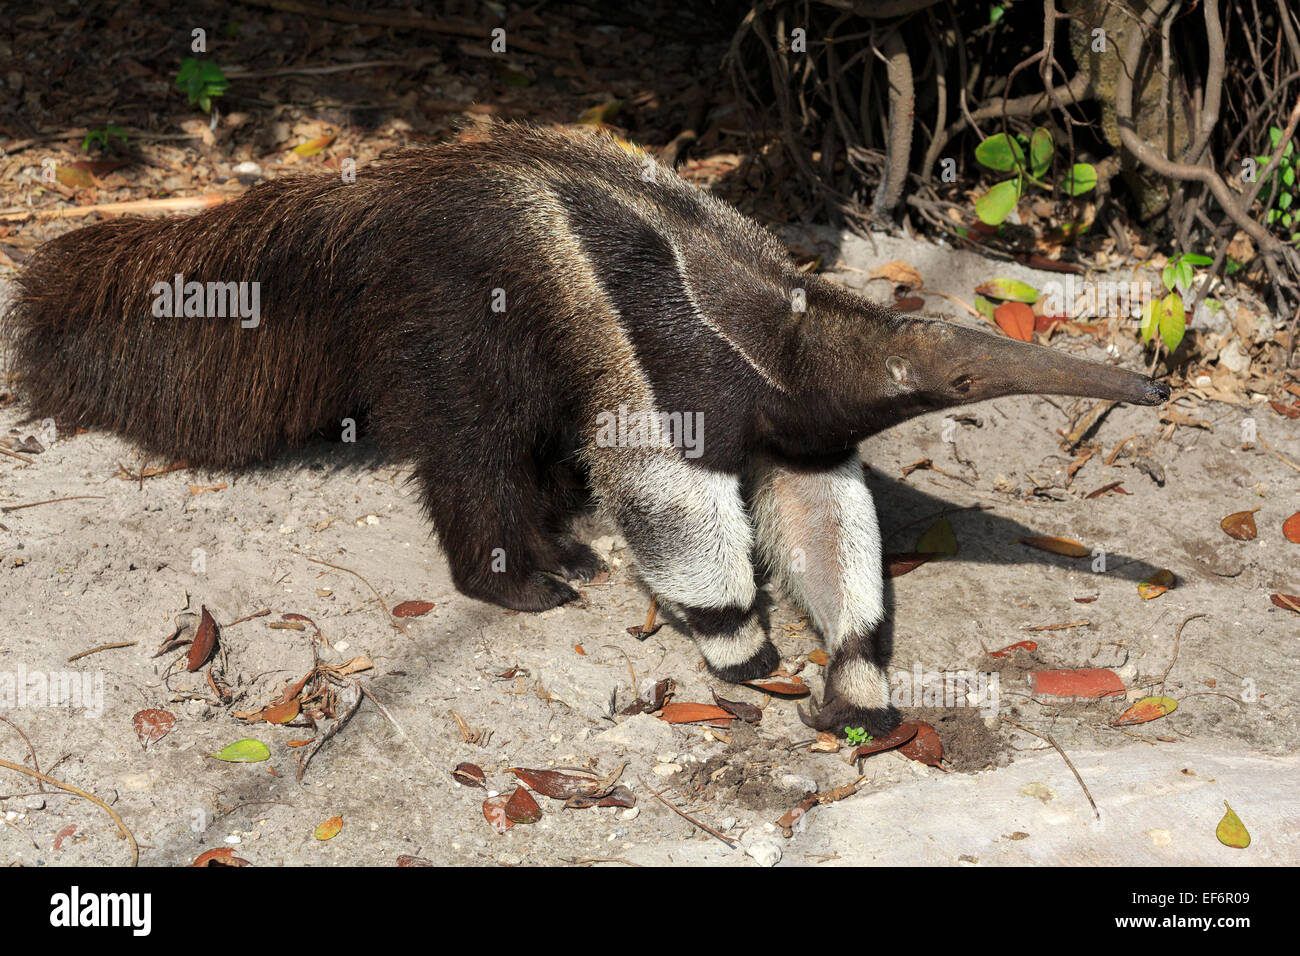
937, 365
856, 369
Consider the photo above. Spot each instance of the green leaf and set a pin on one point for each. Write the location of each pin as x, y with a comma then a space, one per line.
1009, 290
984, 307
1183, 274
1082, 178
1173, 321
1150, 319
1000, 152
1167, 275
996, 204
1041, 149
244, 751
1284, 201
1231, 831
939, 538
1196, 259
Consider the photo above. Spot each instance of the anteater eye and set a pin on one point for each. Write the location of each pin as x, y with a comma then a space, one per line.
962, 383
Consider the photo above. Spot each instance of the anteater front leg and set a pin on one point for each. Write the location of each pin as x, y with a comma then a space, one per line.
817, 534
690, 533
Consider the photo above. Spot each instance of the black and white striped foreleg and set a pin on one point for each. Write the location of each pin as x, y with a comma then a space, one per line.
693, 542
817, 535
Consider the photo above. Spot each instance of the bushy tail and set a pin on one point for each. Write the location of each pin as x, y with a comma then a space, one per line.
88, 346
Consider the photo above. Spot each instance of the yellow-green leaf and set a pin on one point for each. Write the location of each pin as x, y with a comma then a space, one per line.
1156, 585
314, 146
1147, 709
329, 829
1231, 831
1009, 290
247, 750
939, 538
604, 113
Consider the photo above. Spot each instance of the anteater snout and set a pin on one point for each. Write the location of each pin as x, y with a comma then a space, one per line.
1155, 393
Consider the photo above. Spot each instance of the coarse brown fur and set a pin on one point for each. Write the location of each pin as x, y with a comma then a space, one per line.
483, 303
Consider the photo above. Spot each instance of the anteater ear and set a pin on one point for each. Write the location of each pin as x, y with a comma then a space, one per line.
900, 370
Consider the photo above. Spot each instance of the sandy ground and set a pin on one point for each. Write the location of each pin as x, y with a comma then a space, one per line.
82, 573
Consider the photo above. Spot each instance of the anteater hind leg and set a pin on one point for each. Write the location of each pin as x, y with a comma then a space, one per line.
692, 540
817, 534
492, 525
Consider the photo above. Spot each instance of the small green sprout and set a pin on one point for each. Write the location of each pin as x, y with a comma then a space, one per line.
857, 735
1169, 315
1284, 178
101, 137
1005, 154
201, 82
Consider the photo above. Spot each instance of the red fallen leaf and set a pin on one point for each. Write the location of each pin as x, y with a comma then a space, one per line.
1286, 410
925, 747
895, 738
1092, 683
221, 856
1240, 525
562, 786
205, 641
408, 860
152, 726
469, 775
819, 657
494, 811
1016, 319
64, 834
522, 808
1044, 323
578, 648
1290, 602
620, 796
1011, 648
1291, 528
1086, 600
282, 713
1115, 486
651, 699
1147, 709
909, 303
782, 688
795, 813
746, 712
413, 608
896, 565
689, 713
298, 617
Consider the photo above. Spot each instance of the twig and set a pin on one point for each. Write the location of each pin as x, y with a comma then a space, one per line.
135, 206
1284, 458
392, 620
102, 647
40, 785
1058, 749
248, 617
48, 501
685, 816
1178, 635
14, 454
135, 849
